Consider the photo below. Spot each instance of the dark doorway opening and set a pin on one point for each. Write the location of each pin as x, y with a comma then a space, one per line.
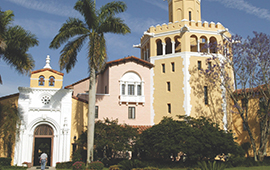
42, 145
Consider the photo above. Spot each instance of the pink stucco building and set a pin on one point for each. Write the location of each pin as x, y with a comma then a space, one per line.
123, 91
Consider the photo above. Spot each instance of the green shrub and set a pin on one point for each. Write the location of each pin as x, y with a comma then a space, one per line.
150, 168
5, 161
97, 165
212, 165
237, 160
130, 164
114, 167
64, 165
1, 168
78, 166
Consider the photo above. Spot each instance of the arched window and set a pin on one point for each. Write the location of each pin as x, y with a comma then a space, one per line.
41, 81
213, 45
177, 45
131, 88
193, 44
159, 47
203, 44
189, 16
51, 81
168, 46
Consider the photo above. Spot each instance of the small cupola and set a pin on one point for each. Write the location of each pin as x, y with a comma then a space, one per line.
46, 77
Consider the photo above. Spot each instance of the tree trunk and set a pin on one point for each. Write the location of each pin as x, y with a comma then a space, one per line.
91, 116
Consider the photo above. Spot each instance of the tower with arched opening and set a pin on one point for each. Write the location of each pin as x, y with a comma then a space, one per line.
178, 50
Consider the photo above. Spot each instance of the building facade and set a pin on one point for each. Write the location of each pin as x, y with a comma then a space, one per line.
139, 92
179, 50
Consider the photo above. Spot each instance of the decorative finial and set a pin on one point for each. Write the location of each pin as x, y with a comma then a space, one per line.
47, 62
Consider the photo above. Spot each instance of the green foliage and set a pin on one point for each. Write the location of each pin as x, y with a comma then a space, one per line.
150, 168
130, 164
78, 166
197, 138
64, 165
97, 165
5, 161
111, 139
79, 155
235, 160
1, 168
14, 44
114, 167
212, 165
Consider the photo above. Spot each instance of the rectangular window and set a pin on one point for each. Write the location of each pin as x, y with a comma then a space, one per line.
130, 89
131, 112
163, 68
123, 89
173, 69
96, 112
139, 90
168, 86
189, 14
106, 92
169, 108
199, 65
205, 95
209, 65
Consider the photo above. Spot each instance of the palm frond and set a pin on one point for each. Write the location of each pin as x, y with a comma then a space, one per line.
6, 18
97, 55
68, 57
114, 25
18, 42
112, 8
87, 10
71, 28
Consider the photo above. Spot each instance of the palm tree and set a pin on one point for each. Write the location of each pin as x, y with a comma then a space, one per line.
96, 24
14, 44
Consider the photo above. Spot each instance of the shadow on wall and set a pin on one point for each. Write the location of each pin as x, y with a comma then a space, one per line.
207, 97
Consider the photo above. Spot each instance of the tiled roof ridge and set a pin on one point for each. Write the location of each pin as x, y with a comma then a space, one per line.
80, 99
8, 96
45, 69
129, 59
117, 62
248, 90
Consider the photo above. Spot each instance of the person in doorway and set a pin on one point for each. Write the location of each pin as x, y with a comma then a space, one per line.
43, 160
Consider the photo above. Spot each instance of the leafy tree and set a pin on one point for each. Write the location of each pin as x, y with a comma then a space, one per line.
9, 119
198, 138
96, 24
244, 75
112, 140
14, 44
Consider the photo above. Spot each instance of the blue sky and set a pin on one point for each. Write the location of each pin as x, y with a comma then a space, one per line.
45, 17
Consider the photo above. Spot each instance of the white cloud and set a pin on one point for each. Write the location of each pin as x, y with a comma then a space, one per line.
247, 7
158, 3
48, 6
42, 28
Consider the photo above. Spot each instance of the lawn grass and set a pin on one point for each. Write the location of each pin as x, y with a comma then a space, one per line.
236, 168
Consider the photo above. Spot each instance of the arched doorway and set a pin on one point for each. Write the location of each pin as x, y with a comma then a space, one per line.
43, 142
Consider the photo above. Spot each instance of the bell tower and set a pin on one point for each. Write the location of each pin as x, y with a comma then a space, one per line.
184, 9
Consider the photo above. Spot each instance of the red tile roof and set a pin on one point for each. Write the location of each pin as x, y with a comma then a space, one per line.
117, 62
9, 96
129, 59
141, 128
251, 90
45, 69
